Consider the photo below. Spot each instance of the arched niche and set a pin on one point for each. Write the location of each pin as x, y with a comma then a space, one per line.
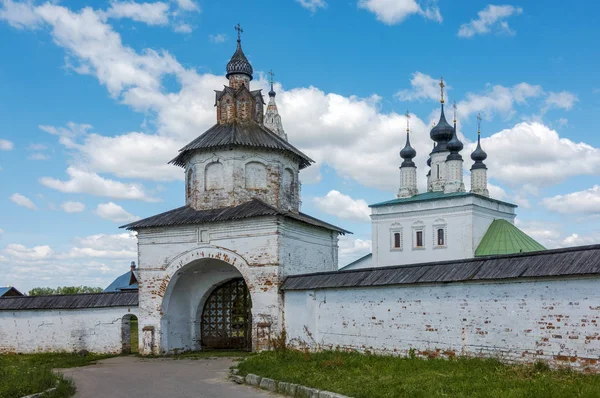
214, 177
190, 179
287, 186
255, 175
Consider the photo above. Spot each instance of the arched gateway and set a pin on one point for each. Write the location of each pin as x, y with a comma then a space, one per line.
210, 270
226, 321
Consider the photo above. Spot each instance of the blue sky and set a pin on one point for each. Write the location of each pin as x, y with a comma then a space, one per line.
96, 99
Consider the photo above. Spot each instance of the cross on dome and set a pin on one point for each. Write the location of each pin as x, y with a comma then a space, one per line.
442, 85
239, 29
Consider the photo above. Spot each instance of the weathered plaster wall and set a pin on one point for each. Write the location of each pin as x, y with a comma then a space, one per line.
261, 250
241, 175
552, 320
96, 330
464, 218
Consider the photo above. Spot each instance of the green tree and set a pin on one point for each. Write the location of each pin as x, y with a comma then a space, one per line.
45, 291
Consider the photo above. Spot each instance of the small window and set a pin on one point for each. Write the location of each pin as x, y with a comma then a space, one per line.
397, 241
440, 237
419, 239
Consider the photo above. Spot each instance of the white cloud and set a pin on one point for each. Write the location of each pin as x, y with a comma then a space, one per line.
20, 252
156, 13
113, 212
218, 38
72, 207
490, 19
38, 156
582, 240
497, 98
562, 100
423, 87
19, 14
1, 231
23, 201
343, 206
586, 202
351, 249
532, 154
188, 5
82, 181
183, 28
392, 12
312, 5
71, 131
6, 145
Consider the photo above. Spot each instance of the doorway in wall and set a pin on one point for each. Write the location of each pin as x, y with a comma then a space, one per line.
129, 334
226, 317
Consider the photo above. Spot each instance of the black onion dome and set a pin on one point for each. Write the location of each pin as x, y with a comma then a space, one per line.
441, 133
454, 146
478, 156
408, 153
239, 63
272, 92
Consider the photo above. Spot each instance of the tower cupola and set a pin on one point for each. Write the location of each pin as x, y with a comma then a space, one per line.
478, 155
442, 132
454, 145
408, 169
408, 153
238, 68
272, 119
479, 169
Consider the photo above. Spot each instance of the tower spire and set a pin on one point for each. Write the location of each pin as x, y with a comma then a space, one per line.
479, 169
442, 85
272, 92
408, 169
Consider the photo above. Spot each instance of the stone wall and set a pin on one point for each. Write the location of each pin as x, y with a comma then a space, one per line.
95, 330
557, 321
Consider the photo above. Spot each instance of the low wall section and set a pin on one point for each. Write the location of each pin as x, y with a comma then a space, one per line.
519, 308
95, 329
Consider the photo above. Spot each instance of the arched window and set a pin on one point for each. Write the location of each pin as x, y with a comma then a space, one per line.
256, 175
214, 176
440, 233
287, 185
440, 237
191, 176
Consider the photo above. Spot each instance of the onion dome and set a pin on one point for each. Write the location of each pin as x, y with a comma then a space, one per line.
271, 92
441, 133
408, 153
454, 145
238, 64
478, 155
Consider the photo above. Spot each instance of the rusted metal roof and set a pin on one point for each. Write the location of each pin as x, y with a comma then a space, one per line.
239, 134
70, 301
573, 261
254, 208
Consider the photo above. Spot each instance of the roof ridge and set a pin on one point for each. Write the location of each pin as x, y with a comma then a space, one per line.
61, 295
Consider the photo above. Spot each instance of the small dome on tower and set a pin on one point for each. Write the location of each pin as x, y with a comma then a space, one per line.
478, 154
408, 153
238, 64
454, 145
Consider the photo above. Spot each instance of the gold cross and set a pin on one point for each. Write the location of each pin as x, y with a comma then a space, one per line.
407, 121
271, 74
442, 85
478, 123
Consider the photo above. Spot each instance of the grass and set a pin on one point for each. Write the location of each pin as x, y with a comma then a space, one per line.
371, 376
203, 354
27, 374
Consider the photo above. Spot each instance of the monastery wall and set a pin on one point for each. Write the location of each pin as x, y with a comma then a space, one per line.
95, 330
557, 320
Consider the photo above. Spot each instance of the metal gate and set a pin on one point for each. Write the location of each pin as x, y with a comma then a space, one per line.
226, 317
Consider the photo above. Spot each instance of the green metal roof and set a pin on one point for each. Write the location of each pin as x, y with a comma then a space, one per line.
503, 237
435, 196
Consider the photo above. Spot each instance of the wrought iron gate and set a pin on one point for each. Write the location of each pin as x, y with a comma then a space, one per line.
226, 319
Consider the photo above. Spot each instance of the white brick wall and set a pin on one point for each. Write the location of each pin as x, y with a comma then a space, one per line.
553, 320
96, 330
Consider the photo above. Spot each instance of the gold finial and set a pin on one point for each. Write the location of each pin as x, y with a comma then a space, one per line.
239, 31
442, 85
407, 121
478, 123
454, 106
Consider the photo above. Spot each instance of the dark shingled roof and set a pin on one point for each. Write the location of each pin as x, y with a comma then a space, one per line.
254, 208
574, 261
70, 301
248, 134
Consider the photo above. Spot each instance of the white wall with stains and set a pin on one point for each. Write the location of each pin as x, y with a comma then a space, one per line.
95, 330
557, 321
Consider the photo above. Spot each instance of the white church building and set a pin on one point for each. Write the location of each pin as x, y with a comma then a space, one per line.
240, 265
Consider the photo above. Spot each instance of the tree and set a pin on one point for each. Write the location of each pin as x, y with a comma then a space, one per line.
46, 291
